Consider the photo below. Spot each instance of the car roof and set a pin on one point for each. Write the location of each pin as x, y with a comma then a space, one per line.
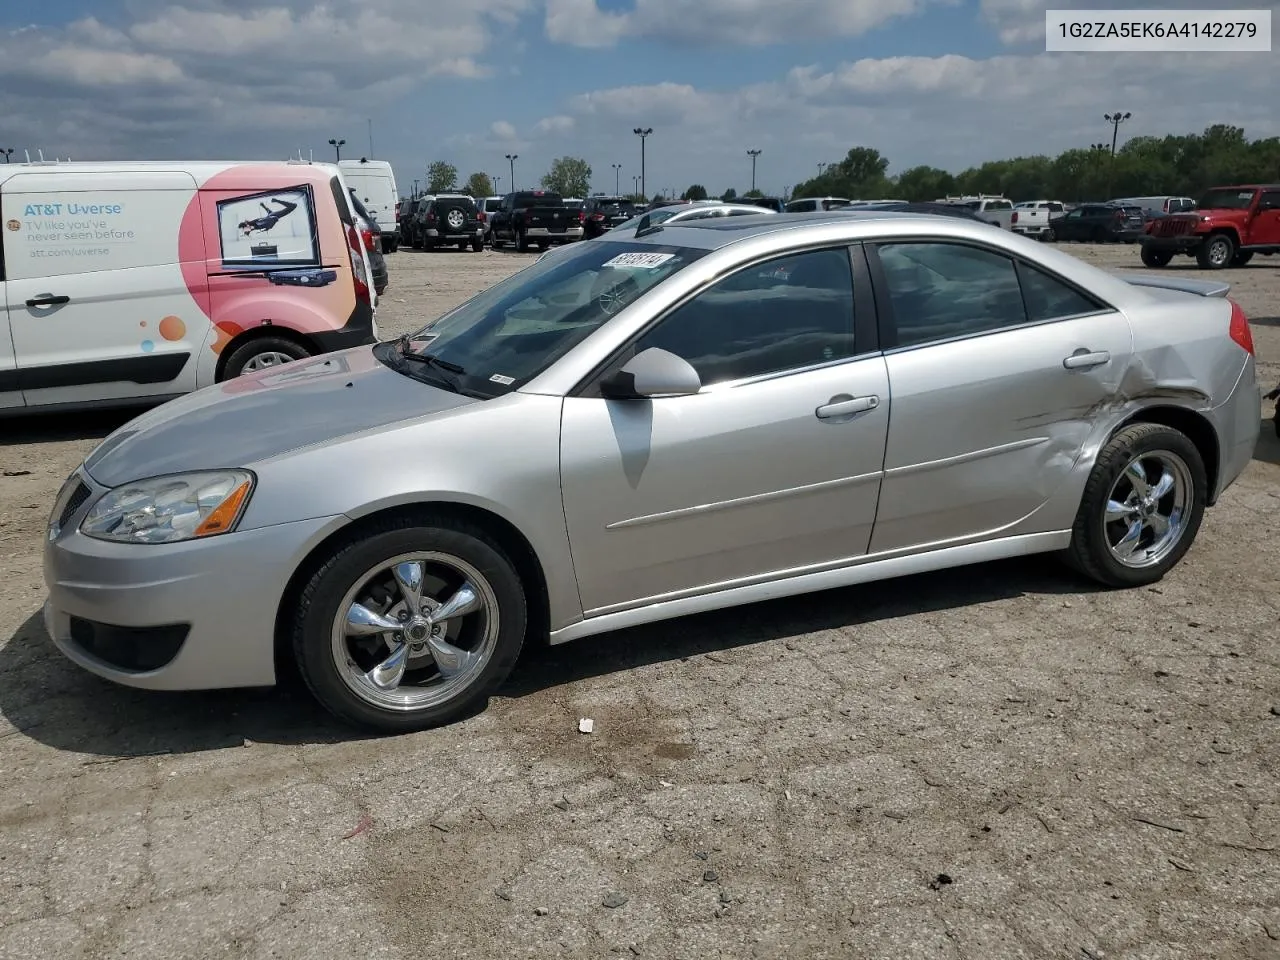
712, 233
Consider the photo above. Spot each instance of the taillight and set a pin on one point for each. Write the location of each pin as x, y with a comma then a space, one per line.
582, 216
597, 216
1240, 331
1119, 214
366, 237
357, 266
480, 216
431, 218
1014, 218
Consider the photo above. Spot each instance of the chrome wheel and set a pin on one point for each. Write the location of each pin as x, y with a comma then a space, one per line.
1147, 509
456, 219
268, 358
415, 631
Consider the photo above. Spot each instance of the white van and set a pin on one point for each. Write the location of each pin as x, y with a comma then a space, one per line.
375, 184
133, 283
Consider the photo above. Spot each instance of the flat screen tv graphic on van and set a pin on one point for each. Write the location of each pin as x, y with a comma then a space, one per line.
277, 228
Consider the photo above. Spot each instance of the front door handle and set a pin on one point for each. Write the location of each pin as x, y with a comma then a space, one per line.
1082, 358
47, 300
844, 405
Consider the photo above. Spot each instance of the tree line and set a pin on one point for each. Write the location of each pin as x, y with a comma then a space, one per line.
1144, 166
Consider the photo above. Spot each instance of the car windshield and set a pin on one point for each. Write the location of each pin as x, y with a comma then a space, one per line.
502, 338
1225, 200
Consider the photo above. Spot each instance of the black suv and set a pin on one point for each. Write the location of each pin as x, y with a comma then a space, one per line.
448, 219
602, 214
1101, 222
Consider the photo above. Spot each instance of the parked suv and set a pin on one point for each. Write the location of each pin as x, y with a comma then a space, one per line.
488, 207
602, 214
1228, 226
1101, 223
448, 218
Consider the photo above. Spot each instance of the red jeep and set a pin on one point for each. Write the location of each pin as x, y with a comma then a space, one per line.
1228, 226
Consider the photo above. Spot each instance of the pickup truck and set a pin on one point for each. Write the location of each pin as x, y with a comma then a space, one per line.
1228, 226
994, 210
537, 217
1034, 218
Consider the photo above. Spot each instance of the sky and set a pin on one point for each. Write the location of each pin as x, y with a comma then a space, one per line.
949, 83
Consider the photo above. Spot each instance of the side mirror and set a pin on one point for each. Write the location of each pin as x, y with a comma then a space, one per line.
652, 373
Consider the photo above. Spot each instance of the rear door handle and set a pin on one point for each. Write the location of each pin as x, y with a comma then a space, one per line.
47, 300
1082, 358
845, 406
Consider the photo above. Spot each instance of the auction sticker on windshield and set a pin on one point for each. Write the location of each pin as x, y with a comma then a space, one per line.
643, 260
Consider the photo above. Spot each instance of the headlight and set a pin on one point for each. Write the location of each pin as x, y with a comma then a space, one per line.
183, 506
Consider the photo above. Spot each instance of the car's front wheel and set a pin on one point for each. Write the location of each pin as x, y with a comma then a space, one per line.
1141, 508
1216, 252
411, 625
262, 353
1156, 258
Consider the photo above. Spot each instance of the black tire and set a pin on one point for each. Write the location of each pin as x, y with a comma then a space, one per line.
1090, 550
1241, 258
417, 242
1156, 258
244, 355
1049, 236
522, 242
323, 594
477, 246
1216, 251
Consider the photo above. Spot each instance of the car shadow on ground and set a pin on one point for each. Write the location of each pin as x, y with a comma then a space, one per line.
1268, 448
51, 700
62, 427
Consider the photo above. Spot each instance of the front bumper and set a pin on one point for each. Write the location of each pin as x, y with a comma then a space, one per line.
185, 616
1181, 243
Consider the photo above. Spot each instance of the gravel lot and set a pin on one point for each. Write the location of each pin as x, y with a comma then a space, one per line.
987, 763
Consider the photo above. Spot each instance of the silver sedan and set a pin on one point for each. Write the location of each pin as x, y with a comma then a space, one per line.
641, 427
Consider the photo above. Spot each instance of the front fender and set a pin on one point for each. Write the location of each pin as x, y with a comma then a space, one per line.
500, 455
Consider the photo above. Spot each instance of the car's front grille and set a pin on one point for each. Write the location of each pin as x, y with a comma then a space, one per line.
1173, 227
74, 502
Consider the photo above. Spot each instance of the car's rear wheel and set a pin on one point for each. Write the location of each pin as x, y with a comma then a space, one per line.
522, 242
1141, 508
1156, 258
1216, 252
411, 625
477, 245
262, 353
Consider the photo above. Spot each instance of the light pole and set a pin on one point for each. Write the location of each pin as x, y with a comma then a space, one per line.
617, 175
337, 148
753, 154
415, 189
496, 181
635, 186
511, 159
7, 151
821, 167
642, 133
1115, 119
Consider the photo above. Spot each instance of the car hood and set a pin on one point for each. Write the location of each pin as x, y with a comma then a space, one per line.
264, 414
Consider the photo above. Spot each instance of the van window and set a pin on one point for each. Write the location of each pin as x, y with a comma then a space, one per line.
273, 228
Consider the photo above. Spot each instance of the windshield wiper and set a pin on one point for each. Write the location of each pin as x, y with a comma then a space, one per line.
428, 358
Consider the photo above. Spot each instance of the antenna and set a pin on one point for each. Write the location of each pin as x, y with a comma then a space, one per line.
28, 153
41, 152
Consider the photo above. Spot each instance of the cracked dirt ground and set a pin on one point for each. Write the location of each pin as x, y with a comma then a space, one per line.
1094, 773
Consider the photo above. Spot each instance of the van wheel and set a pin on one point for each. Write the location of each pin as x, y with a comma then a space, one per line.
262, 353
1141, 508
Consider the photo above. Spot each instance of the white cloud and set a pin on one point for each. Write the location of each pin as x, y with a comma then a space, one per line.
747, 22
559, 124
950, 111
212, 76
503, 130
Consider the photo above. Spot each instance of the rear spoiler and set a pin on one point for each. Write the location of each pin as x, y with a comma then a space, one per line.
1201, 288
